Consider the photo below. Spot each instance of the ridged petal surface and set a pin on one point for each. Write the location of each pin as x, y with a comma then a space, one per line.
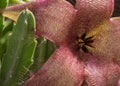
91, 13
54, 19
101, 72
62, 69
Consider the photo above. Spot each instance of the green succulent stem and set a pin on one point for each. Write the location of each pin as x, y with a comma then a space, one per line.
19, 55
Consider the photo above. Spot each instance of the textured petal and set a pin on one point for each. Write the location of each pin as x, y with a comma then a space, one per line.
53, 17
91, 13
100, 72
106, 43
102, 61
62, 69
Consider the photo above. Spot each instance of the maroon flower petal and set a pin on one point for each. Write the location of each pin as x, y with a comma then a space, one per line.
62, 69
102, 72
54, 19
92, 13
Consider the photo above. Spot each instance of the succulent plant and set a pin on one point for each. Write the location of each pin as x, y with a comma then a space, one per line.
87, 40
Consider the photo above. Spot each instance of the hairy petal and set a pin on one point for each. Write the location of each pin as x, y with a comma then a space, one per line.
100, 72
103, 61
107, 41
54, 19
116, 37
62, 69
91, 13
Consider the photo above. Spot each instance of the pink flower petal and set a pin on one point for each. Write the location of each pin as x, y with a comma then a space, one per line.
100, 72
92, 13
62, 69
54, 19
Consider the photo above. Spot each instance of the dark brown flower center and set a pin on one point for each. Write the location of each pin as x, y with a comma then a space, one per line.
73, 2
82, 42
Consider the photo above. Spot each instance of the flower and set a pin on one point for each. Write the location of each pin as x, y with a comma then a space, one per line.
87, 41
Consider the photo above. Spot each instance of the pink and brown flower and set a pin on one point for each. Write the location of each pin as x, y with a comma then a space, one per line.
87, 40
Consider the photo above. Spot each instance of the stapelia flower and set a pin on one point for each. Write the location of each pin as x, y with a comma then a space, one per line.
87, 40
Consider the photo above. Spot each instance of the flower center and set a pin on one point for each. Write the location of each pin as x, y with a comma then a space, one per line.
82, 42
